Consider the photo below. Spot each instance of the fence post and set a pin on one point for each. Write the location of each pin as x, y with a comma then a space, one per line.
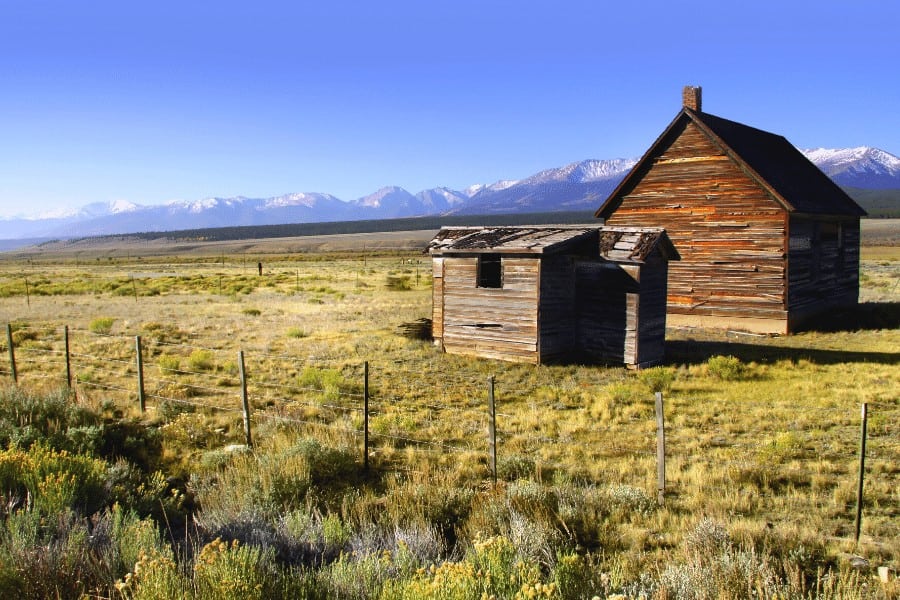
862, 468
660, 451
493, 429
140, 372
68, 358
245, 402
366, 416
27, 293
12, 353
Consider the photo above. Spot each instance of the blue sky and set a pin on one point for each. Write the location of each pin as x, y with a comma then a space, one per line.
156, 101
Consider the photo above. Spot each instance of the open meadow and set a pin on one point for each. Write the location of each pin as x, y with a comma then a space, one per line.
97, 497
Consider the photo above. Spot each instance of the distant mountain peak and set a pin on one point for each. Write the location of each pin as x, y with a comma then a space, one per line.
862, 167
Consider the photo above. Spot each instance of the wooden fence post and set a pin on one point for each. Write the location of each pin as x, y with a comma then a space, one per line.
492, 429
660, 451
68, 358
12, 353
140, 372
27, 293
245, 401
366, 416
862, 468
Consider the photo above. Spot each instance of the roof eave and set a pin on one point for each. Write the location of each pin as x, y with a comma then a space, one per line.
742, 164
639, 165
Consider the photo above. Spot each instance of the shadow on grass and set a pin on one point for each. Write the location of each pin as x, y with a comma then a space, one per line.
866, 316
863, 316
681, 352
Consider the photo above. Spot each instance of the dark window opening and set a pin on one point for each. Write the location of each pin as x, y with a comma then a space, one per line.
490, 271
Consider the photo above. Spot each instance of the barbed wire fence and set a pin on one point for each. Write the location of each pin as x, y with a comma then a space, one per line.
398, 419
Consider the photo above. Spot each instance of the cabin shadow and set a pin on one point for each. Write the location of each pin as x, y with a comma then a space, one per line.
867, 316
863, 316
679, 352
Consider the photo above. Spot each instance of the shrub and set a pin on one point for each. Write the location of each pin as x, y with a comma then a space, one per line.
399, 283
515, 466
657, 379
232, 571
201, 360
725, 368
296, 332
101, 325
251, 312
168, 363
55, 481
329, 381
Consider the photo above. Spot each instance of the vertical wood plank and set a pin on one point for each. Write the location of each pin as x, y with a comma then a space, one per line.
862, 468
140, 372
12, 353
660, 451
492, 429
245, 401
366, 416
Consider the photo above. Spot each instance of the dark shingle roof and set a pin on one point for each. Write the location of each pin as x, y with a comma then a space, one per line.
775, 163
799, 183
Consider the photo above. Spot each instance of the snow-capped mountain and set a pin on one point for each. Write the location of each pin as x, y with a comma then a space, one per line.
581, 185
863, 167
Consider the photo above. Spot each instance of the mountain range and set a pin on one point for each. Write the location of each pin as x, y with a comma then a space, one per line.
578, 186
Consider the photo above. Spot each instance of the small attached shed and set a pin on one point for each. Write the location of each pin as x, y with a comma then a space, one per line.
536, 294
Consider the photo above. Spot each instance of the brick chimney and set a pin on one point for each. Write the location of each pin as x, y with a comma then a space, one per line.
691, 97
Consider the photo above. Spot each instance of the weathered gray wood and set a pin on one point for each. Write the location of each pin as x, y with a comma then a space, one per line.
139, 355
366, 415
660, 451
493, 429
68, 358
12, 353
245, 400
862, 469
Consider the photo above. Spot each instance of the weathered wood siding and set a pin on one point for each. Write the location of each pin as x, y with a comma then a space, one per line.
491, 322
607, 299
652, 311
437, 300
824, 264
557, 307
729, 231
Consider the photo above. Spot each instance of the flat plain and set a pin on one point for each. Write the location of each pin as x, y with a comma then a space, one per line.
762, 432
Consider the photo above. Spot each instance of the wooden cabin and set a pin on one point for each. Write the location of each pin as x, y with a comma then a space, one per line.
538, 294
767, 241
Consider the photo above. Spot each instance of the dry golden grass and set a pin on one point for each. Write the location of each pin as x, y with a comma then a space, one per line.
774, 449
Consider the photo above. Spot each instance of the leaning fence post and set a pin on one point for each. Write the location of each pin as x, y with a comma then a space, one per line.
862, 468
245, 402
660, 451
68, 358
12, 353
492, 429
140, 372
366, 416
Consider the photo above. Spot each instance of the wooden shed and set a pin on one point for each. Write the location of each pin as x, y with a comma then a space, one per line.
536, 294
766, 239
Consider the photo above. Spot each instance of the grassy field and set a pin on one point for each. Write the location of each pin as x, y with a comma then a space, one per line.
762, 433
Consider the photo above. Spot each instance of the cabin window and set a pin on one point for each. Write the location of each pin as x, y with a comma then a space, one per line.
490, 271
830, 233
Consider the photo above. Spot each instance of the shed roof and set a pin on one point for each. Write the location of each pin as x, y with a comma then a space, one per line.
518, 240
620, 244
795, 182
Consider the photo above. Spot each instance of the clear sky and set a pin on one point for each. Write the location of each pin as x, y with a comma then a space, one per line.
151, 101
